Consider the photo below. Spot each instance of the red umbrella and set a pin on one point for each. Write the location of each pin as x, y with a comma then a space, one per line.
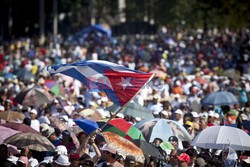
20, 127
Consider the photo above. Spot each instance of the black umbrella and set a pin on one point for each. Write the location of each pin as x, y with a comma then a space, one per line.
148, 149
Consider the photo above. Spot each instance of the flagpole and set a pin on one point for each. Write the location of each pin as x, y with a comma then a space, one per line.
120, 109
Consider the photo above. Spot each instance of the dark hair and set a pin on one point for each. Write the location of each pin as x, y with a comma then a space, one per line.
192, 152
27, 121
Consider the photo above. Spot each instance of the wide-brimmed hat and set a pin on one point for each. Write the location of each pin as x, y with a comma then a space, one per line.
62, 160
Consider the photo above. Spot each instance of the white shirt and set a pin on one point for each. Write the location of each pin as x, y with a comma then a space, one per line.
35, 125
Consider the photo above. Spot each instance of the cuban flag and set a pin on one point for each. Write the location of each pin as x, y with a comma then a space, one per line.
121, 84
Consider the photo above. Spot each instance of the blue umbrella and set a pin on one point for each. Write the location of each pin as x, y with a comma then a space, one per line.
9, 76
87, 125
222, 98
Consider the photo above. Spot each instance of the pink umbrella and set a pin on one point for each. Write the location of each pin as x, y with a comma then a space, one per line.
6, 132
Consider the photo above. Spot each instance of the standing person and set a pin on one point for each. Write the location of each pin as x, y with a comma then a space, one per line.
179, 116
229, 157
172, 160
193, 156
129, 161
35, 124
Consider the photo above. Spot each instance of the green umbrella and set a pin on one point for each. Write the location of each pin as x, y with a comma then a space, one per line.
134, 110
166, 146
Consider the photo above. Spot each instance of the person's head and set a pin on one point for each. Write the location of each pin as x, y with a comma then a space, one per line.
129, 161
51, 135
108, 153
152, 163
192, 154
61, 161
88, 163
178, 114
66, 136
173, 157
74, 159
3, 151
27, 121
33, 114
120, 159
174, 141
203, 124
81, 136
183, 160
157, 142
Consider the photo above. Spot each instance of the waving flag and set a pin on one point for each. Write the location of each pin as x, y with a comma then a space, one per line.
120, 83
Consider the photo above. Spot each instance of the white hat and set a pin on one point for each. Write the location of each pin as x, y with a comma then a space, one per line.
62, 160
2, 108
138, 119
216, 115
50, 131
244, 117
55, 101
64, 118
33, 111
195, 114
62, 150
120, 115
164, 112
211, 113
106, 147
104, 99
44, 127
156, 113
178, 111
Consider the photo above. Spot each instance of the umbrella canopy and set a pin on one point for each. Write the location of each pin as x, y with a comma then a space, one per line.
24, 75
232, 73
11, 116
87, 125
6, 132
123, 128
123, 146
55, 88
166, 146
33, 97
220, 137
56, 122
162, 128
221, 98
147, 148
133, 109
31, 141
90, 114
20, 127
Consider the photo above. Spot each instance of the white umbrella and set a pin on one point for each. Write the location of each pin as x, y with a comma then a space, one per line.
220, 137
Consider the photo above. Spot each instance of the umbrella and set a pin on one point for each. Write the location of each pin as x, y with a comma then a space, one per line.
123, 146
87, 125
221, 98
31, 141
54, 87
20, 127
33, 97
24, 75
232, 73
90, 114
166, 146
9, 76
162, 128
11, 116
6, 132
220, 137
147, 148
55, 122
123, 128
133, 109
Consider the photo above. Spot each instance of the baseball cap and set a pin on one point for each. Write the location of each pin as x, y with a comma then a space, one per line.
184, 158
130, 159
74, 156
200, 161
2, 108
108, 148
211, 113
195, 114
173, 139
33, 111
178, 111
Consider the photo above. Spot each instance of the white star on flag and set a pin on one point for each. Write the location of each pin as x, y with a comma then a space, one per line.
125, 83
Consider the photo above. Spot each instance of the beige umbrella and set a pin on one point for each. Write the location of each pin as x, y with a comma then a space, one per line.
11, 116
123, 146
31, 141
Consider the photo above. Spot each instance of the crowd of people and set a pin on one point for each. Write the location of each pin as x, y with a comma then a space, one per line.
188, 66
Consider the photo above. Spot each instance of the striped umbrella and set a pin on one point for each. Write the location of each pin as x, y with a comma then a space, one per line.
123, 128
30, 140
11, 116
54, 87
